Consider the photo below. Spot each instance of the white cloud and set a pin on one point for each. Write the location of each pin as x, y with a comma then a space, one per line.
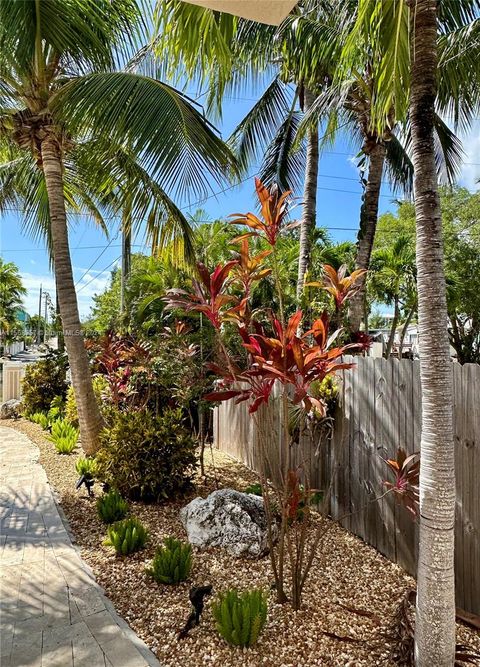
91, 283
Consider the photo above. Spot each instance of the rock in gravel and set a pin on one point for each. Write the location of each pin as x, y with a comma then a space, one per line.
10, 409
229, 519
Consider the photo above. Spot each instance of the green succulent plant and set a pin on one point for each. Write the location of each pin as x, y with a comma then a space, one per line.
240, 617
127, 536
172, 562
64, 436
39, 418
112, 507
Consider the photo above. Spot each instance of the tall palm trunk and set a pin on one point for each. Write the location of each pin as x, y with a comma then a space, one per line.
435, 619
309, 213
368, 226
410, 315
126, 263
89, 416
393, 330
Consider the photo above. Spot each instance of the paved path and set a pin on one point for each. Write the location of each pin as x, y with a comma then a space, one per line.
52, 611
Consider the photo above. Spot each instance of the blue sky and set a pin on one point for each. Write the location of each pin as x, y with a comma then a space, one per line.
93, 257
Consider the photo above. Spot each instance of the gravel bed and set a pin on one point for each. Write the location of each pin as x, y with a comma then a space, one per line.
348, 577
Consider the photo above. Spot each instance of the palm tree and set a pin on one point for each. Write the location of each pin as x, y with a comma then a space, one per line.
435, 617
60, 88
392, 274
452, 60
305, 52
11, 293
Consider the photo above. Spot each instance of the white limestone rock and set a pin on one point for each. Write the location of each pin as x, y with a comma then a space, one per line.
229, 519
10, 409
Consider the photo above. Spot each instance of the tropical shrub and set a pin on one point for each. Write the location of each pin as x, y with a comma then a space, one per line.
112, 507
127, 536
39, 418
57, 409
146, 457
240, 617
172, 562
44, 380
327, 392
64, 436
100, 385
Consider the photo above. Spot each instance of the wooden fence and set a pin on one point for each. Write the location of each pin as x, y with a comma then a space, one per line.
379, 411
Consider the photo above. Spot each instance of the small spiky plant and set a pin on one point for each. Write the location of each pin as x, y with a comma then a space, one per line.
126, 536
172, 562
64, 436
112, 507
39, 418
240, 617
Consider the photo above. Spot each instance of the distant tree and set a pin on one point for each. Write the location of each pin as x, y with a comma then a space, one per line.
12, 292
392, 280
461, 239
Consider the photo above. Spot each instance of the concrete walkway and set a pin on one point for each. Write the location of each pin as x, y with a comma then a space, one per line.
53, 613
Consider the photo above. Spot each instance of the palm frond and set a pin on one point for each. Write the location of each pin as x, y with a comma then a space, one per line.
174, 141
399, 167
89, 33
284, 160
459, 74
256, 131
381, 34
449, 154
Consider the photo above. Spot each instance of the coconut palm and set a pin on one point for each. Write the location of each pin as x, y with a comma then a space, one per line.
435, 617
305, 52
61, 87
427, 47
12, 292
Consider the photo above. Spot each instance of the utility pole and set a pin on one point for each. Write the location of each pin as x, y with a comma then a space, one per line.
47, 303
39, 315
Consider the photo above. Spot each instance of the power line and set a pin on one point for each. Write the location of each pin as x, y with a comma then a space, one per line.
96, 260
99, 274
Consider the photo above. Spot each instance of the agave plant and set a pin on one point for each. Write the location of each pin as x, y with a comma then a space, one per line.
64, 436
172, 562
127, 536
240, 617
40, 418
112, 507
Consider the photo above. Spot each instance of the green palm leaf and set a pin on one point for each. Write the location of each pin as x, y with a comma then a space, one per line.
256, 131
175, 142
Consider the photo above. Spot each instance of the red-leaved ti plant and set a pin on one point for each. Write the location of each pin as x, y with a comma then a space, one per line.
249, 269
406, 470
277, 353
362, 339
113, 357
340, 285
274, 208
209, 297
286, 357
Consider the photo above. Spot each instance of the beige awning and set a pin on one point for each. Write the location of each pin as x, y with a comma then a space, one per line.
264, 11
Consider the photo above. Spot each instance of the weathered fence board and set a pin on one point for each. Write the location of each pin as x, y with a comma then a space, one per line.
380, 410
